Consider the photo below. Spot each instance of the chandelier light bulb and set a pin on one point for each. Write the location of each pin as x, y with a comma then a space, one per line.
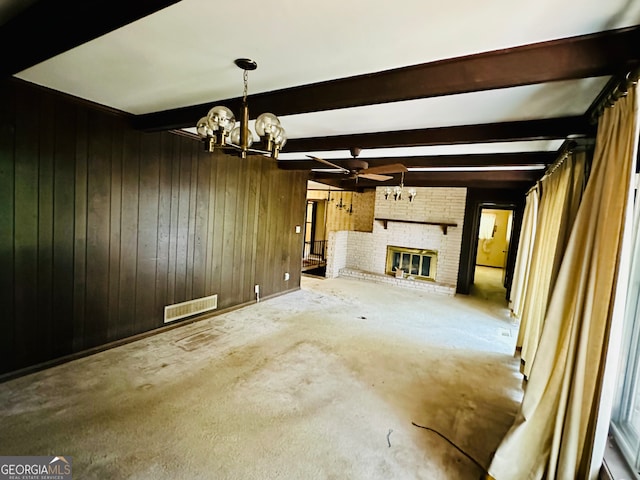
203, 128
265, 124
221, 118
234, 136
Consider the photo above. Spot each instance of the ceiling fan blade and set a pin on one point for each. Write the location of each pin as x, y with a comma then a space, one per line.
332, 165
375, 176
382, 169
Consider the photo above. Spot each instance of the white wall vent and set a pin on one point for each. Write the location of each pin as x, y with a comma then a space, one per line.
191, 307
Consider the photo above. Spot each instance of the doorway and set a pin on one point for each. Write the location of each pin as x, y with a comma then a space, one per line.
494, 242
314, 250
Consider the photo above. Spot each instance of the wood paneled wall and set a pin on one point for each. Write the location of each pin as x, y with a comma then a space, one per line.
101, 226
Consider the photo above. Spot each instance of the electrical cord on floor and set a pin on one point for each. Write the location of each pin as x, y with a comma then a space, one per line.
478, 464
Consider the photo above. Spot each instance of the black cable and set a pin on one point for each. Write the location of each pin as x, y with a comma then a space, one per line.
478, 464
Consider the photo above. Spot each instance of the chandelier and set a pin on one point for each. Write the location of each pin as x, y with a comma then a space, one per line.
397, 191
218, 129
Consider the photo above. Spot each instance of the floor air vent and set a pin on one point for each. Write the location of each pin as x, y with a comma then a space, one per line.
191, 307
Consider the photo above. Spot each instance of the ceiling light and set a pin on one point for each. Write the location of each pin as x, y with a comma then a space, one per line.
396, 192
218, 128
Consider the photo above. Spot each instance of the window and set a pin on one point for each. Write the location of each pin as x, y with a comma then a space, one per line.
625, 425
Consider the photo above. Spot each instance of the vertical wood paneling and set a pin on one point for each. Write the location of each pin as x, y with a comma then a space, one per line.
182, 241
63, 229
201, 215
218, 222
241, 240
115, 233
284, 198
229, 258
26, 230
80, 230
297, 206
129, 235
193, 186
146, 313
7, 209
102, 226
262, 250
255, 195
45, 227
210, 286
164, 221
172, 267
98, 223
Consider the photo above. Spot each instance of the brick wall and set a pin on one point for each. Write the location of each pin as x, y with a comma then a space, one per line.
367, 252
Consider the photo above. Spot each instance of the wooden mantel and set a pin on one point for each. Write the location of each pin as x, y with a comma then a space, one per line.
443, 225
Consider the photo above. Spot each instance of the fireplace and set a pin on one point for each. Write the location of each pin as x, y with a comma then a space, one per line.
414, 262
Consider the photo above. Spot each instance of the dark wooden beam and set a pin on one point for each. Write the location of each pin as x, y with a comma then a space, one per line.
517, 179
544, 129
604, 53
50, 27
489, 159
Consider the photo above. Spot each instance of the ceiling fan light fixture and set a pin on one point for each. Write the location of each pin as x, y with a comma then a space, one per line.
218, 129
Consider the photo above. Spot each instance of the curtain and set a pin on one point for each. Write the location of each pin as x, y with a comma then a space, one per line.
525, 250
562, 191
553, 433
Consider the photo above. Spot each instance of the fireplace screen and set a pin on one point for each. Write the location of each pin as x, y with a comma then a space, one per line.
414, 262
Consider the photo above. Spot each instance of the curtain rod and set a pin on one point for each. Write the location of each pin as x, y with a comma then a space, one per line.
568, 148
617, 88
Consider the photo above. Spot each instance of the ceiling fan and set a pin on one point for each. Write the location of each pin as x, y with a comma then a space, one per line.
360, 168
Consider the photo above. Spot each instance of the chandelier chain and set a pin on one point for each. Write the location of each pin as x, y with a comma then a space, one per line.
245, 76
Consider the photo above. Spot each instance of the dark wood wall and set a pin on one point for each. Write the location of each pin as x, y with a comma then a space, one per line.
101, 226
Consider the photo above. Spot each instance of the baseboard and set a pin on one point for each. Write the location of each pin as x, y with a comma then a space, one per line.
5, 377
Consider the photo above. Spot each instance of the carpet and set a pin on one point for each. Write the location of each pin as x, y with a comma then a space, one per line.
321, 383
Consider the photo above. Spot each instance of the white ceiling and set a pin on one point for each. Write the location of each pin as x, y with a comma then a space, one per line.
183, 55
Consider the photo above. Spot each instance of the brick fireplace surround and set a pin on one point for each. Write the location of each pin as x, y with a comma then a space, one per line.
363, 254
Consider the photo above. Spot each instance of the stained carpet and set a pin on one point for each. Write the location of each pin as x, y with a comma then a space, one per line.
322, 383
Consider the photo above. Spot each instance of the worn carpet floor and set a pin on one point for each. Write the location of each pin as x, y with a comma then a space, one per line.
322, 383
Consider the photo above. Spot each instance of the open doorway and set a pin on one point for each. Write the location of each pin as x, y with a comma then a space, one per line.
315, 242
494, 241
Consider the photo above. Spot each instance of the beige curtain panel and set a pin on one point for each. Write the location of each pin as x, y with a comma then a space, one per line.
552, 435
562, 192
525, 250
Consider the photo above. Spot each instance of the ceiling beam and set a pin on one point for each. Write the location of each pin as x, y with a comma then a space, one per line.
50, 27
508, 180
475, 160
604, 53
545, 129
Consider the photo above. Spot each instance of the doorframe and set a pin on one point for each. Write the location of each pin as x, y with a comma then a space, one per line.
506, 280
477, 199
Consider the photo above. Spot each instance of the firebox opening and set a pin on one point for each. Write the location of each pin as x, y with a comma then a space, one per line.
414, 262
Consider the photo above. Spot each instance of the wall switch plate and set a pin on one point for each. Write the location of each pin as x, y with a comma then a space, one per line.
298, 229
